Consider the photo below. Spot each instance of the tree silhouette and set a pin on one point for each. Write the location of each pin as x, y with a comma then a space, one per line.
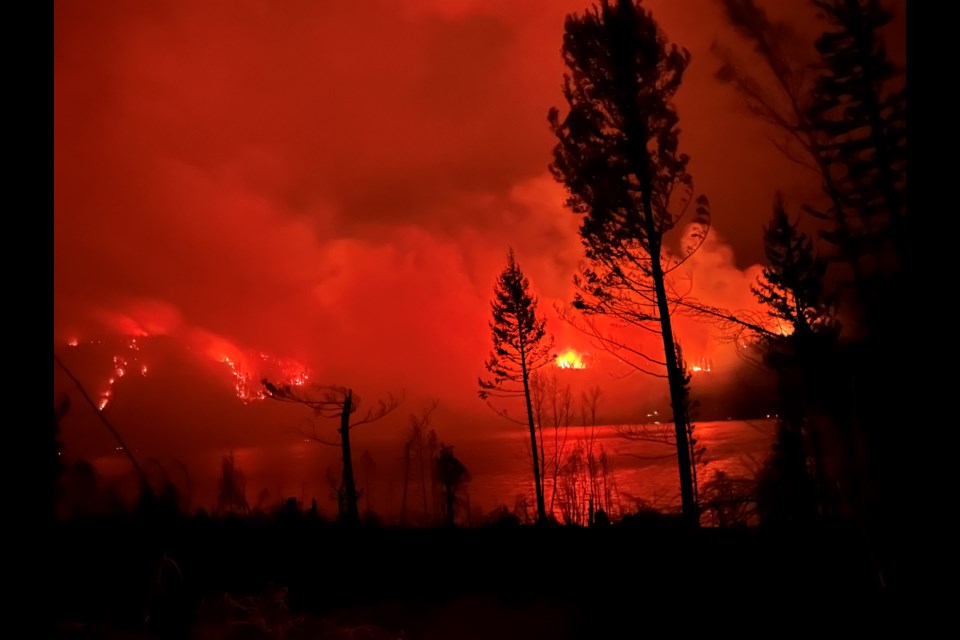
335, 402
791, 285
520, 347
856, 107
618, 157
781, 99
552, 406
453, 476
843, 116
792, 288
232, 496
147, 495
851, 112
419, 451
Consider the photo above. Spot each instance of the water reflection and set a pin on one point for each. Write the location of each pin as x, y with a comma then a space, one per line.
637, 472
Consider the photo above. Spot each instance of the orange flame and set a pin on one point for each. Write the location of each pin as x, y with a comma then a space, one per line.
247, 371
703, 365
122, 362
571, 359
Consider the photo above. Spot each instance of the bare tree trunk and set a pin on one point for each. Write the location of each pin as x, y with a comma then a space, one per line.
541, 506
674, 374
654, 242
352, 514
145, 489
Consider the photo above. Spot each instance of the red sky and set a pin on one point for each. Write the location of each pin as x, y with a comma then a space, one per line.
337, 183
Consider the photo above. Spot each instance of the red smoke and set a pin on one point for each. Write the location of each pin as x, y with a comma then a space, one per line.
335, 185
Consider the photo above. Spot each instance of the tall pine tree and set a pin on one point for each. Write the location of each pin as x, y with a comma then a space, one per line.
618, 157
791, 286
858, 106
520, 347
792, 282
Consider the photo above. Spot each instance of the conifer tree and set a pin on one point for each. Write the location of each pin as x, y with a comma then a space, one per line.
791, 286
520, 347
858, 107
792, 282
618, 157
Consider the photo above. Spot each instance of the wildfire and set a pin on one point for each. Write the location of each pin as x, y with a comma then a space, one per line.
247, 367
703, 365
571, 359
241, 384
246, 379
121, 363
293, 373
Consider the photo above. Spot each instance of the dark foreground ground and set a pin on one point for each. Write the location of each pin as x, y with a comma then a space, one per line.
208, 578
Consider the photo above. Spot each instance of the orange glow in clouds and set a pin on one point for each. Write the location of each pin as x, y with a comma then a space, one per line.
358, 235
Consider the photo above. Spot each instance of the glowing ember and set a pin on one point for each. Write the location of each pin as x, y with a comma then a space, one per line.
572, 359
72, 342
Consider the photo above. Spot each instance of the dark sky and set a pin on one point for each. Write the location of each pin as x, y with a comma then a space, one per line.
336, 184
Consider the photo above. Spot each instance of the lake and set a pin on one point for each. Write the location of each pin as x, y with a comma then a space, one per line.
636, 471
